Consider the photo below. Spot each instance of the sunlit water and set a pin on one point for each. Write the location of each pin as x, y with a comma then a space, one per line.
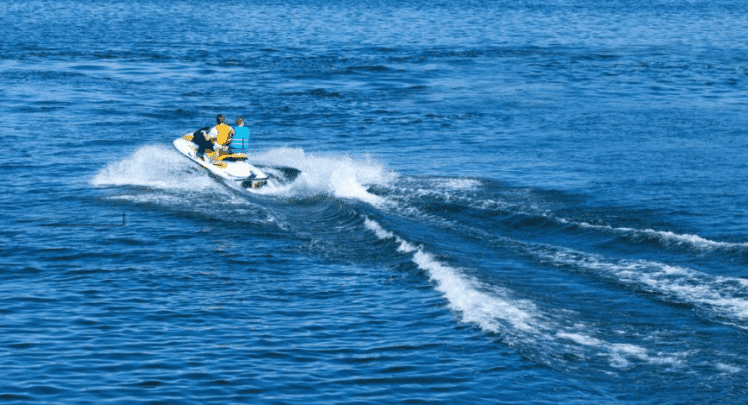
499, 202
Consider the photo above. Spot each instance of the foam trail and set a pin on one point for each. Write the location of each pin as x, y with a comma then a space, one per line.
681, 239
340, 176
725, 296
449, 189
476, 306
458, 191
519, 322
404, 247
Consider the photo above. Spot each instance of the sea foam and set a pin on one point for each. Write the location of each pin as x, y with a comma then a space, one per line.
518, 321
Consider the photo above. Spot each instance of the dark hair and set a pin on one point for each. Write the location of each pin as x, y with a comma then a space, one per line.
219, 119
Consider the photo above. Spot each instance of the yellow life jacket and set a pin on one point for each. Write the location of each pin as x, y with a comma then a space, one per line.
223, 133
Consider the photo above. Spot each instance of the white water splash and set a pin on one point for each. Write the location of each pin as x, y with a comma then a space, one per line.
340, 176
161, 167
154, 166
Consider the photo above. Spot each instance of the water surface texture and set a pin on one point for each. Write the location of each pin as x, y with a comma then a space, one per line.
499, 202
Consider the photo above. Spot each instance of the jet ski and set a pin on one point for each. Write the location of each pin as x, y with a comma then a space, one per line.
231, 167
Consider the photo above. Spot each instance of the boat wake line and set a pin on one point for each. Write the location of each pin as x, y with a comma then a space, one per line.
518, 322
467, 209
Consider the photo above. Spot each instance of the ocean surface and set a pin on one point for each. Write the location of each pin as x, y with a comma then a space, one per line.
503, 202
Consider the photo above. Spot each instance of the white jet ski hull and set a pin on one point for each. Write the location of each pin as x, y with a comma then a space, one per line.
240, 172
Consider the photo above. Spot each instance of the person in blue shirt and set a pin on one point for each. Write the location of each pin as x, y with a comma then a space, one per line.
240, 141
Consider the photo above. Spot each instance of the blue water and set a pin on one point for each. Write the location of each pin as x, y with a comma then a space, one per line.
499, 202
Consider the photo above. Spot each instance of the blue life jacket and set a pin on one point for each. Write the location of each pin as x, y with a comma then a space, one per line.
240, 143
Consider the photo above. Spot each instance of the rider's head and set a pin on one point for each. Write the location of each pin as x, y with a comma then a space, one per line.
220, 119
239, 121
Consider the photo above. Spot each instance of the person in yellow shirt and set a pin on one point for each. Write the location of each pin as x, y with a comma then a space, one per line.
221, 135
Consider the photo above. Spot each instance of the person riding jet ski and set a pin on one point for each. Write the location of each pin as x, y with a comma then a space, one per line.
240, 140
222, 151
207, 138
203, 142
221, 136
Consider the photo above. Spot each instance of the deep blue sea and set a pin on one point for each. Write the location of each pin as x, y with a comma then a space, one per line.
504, 202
